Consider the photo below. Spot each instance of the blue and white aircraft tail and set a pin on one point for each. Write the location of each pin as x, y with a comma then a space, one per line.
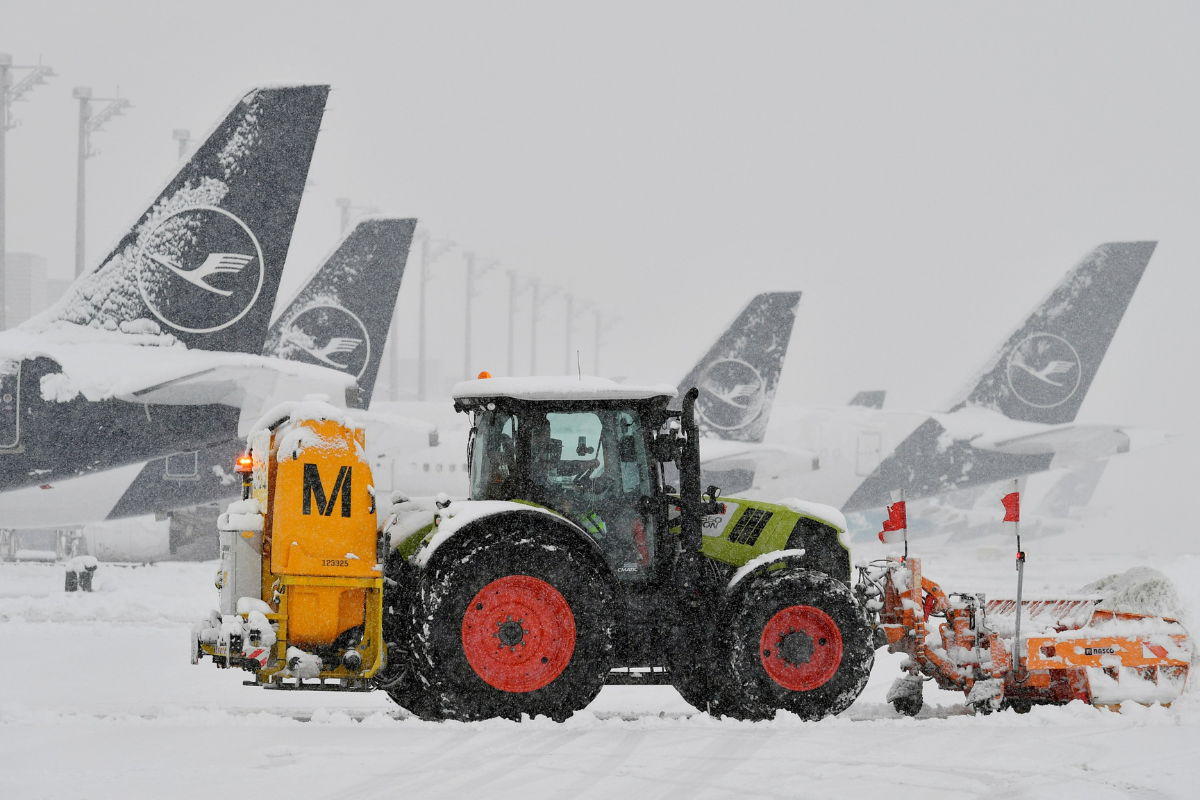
342, 316
202, 263
340, 319
739, 374
738, 378
1016, 415
156, 350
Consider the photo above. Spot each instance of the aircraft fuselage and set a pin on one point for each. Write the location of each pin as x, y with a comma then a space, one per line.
45, 441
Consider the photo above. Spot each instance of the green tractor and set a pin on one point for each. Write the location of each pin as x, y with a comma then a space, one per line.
588, 554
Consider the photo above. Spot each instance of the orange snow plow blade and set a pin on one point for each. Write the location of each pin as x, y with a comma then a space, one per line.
1125, 657
1070, 648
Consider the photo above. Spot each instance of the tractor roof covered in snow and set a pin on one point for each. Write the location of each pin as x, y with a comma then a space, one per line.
552, 388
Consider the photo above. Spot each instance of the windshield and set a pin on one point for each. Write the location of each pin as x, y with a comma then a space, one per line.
493, 456
590, 466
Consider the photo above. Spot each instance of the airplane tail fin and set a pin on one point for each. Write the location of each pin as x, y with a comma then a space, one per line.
341, 317
202, 264
739, 374
1040, 373
869, 399
1074, 490
1043, 370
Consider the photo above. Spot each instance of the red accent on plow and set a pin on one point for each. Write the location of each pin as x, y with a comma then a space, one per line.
823, 660
518, 633
930, 602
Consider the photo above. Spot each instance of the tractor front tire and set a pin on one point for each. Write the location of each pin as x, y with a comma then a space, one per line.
516, 617
795, 640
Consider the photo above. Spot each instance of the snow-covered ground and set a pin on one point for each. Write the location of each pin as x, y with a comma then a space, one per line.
97, 699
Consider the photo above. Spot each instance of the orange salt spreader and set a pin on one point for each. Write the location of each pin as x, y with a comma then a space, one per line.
300, 580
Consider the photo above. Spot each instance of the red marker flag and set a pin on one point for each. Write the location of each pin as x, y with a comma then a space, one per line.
897, 521
1012, 504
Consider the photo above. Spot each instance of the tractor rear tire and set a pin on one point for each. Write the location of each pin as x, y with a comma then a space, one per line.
516, 617
696, 684
399, 677
407, 692
795, 640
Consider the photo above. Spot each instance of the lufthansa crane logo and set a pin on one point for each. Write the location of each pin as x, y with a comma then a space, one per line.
1044, 370
732, 394
200, 269
329, 335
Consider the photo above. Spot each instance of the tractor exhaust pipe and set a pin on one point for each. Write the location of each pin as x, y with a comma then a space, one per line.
690, 497
696, 586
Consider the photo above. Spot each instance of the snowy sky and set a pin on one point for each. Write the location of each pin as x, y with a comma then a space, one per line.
924, 172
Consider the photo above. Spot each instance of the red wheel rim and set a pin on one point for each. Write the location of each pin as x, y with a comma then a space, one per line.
518, 633
801, 648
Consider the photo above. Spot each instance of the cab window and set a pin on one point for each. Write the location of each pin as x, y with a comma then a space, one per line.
493, 457
592, 467
589, 466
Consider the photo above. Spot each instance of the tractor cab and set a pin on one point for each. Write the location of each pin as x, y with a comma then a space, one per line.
581, 447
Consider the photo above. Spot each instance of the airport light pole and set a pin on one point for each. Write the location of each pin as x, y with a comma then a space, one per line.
567, 334
601, 328
514, 289
474, 273
347, 211
9, 95
184, 137
431, 251
572, 310
535, 308
90, 121
393, 344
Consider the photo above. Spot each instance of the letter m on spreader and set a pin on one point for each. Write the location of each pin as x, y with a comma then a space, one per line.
313, 488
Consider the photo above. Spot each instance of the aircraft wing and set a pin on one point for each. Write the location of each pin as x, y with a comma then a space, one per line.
252, 384
1072, 443
717, 454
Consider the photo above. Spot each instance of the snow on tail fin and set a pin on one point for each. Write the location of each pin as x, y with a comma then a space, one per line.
1042, 371
341, 318
738, 375
202, 264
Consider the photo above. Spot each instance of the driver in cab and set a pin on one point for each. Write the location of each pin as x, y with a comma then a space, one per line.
569, 486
